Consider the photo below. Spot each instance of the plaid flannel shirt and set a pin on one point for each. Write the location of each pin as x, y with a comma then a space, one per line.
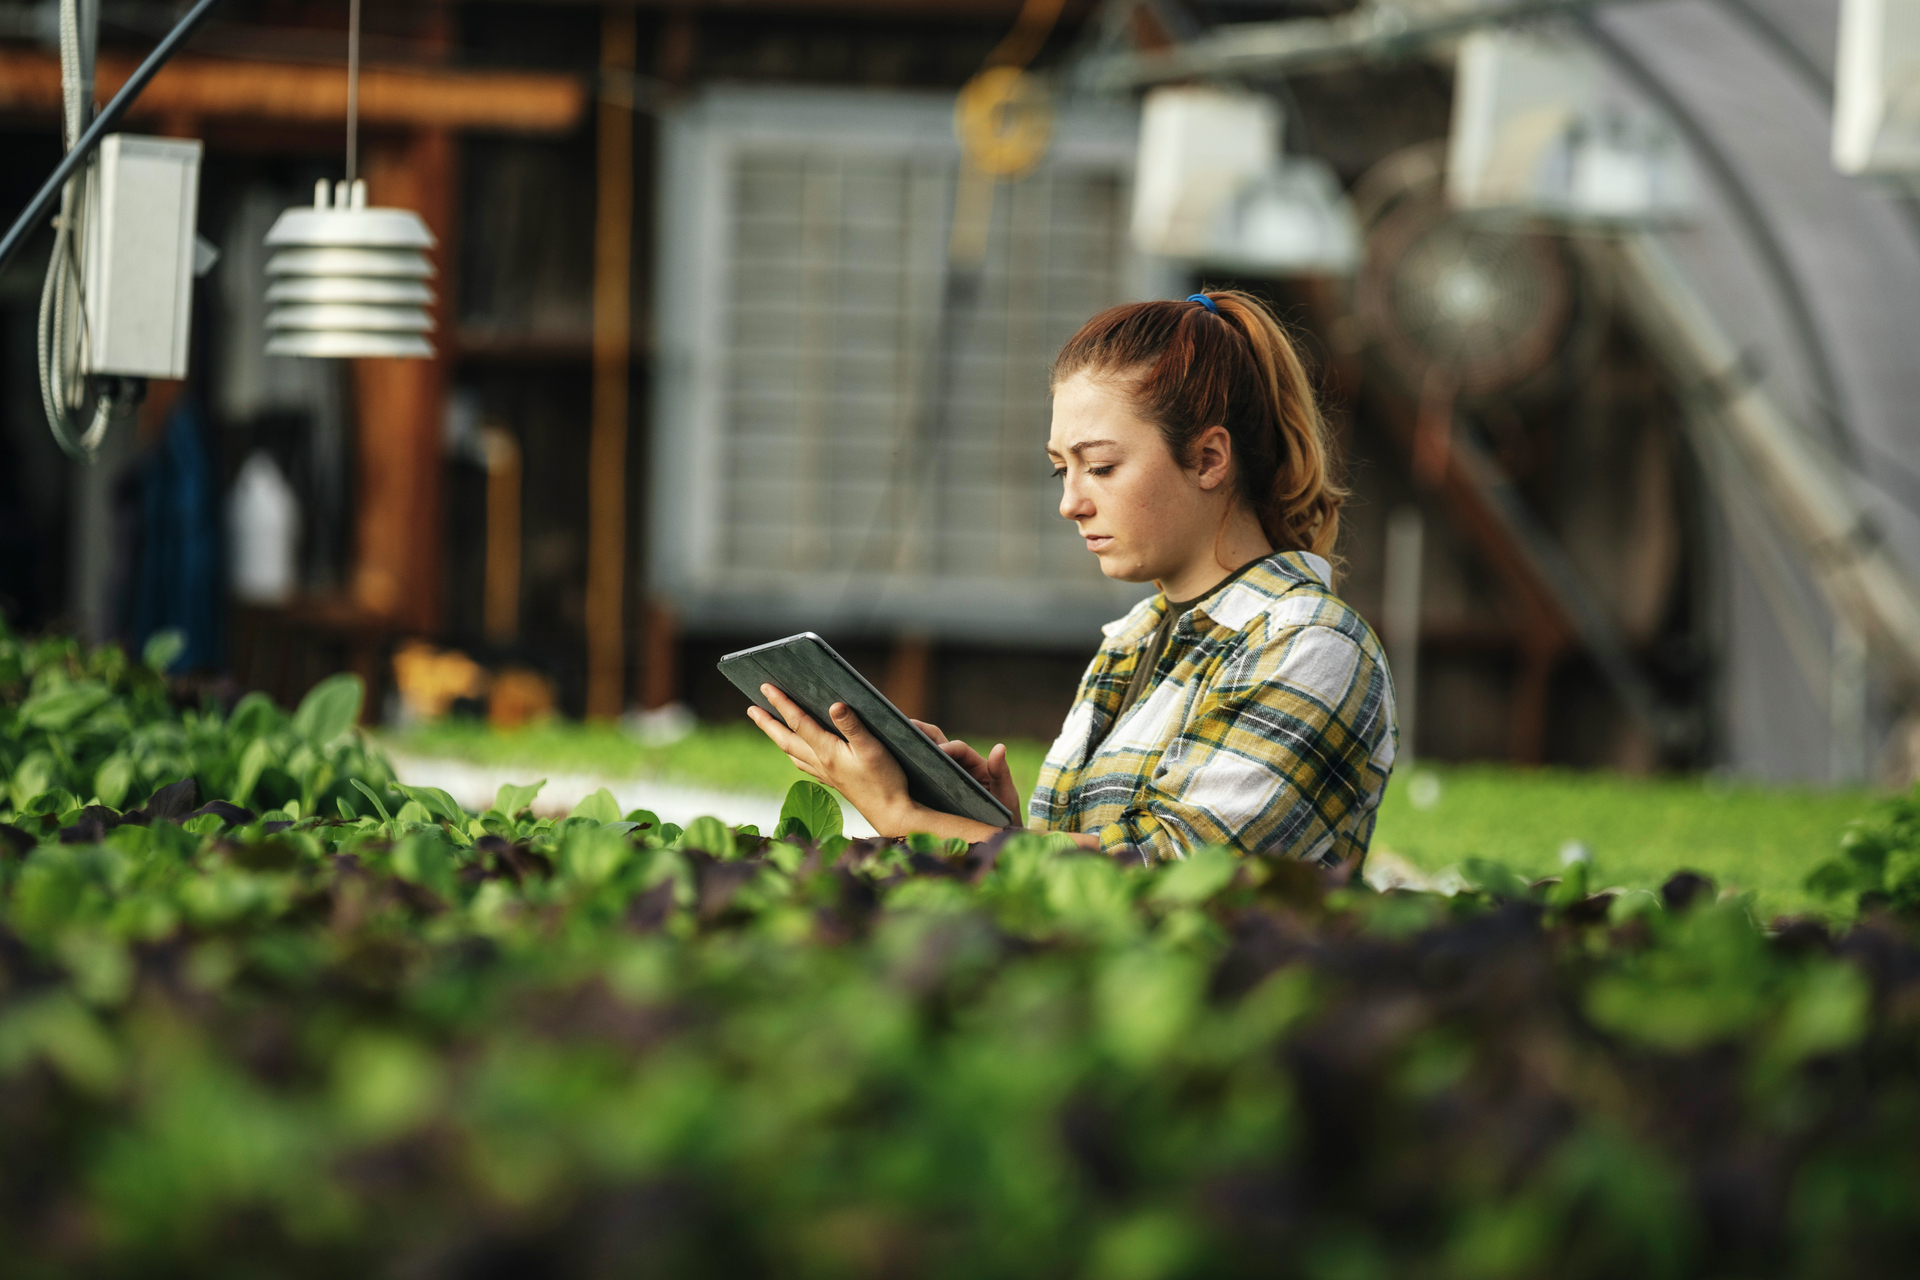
1268, 727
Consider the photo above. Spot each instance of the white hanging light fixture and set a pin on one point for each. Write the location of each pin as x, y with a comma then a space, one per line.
1213, 187
1539, 129
348, 280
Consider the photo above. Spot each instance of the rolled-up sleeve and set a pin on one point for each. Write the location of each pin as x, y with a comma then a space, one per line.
1279, 753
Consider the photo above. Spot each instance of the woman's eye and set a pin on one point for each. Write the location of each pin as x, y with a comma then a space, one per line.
1059, 473
1101, 471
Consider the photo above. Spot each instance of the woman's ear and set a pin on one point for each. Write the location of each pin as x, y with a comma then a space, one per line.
1212, 457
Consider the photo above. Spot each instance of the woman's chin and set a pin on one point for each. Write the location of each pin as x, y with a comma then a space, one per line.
1121, 570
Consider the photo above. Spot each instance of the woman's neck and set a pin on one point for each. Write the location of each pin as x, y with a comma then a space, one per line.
1241, 541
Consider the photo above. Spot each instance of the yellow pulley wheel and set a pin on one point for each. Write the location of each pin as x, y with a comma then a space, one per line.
1004, 120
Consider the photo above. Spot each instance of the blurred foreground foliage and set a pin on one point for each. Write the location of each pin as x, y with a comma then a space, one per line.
80, 723
396, 1038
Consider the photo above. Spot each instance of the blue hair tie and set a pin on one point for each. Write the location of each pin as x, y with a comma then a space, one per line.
1204, 301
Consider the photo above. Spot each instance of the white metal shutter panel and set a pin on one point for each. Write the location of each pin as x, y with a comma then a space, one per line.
877, 443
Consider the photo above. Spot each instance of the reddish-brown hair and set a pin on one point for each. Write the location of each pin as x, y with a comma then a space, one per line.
1189, 369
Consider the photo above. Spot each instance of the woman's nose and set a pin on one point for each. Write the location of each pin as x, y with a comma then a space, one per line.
1073, 504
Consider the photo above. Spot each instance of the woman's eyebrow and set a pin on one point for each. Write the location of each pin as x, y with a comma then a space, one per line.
1054, 453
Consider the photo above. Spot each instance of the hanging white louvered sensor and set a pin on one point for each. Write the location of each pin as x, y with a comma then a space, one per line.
347, 280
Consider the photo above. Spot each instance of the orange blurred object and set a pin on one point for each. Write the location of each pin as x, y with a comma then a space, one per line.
519, 696
431, 679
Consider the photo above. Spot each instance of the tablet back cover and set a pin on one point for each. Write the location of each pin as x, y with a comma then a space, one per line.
806, 669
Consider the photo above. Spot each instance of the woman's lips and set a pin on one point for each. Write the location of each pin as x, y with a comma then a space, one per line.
1098, 542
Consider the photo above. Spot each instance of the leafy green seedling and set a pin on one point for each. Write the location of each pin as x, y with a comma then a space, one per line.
600, 806
435, 801
709, 835
511, 799
1195, 878
811, 809
1494, 879
378, 806
330, 708
164, 649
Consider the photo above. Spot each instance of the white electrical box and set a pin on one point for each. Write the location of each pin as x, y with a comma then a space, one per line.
1876, 108
1539, 128
1213, 187
1199, 147
143, 200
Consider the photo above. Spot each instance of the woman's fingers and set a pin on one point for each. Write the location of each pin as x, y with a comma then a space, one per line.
771, 727
990, 770
821, 741
1000, 778
784, 738
933, 731
803, 726
862, 742
789, 709
967, 758
869, 751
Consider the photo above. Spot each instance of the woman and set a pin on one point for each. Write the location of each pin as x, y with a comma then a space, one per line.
1244, 705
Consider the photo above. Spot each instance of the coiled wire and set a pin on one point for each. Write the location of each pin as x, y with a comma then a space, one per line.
62, 334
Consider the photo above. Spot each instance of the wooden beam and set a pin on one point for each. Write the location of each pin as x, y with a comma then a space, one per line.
398, 569
212, 88
612, 343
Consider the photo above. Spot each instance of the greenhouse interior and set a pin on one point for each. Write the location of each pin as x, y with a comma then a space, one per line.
552, 720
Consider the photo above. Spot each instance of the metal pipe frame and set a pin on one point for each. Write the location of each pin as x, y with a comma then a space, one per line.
1376, 32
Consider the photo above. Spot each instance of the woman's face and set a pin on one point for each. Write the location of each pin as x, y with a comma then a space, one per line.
1141, 513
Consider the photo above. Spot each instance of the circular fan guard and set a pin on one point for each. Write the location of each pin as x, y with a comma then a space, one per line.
1485, 305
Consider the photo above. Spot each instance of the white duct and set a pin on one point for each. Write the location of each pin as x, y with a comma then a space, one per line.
1808, 491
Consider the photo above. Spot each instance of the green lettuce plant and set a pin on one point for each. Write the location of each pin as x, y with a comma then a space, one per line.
377, 1032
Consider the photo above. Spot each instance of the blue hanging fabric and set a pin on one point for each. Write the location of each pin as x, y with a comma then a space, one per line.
179, 584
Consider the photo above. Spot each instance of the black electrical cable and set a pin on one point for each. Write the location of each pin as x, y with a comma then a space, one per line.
37, 208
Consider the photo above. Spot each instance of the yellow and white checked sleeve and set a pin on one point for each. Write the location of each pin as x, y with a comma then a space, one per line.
1268, 727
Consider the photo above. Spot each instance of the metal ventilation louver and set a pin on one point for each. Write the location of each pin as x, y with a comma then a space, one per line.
347, 280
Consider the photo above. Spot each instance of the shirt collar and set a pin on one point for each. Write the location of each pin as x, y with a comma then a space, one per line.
1272, 577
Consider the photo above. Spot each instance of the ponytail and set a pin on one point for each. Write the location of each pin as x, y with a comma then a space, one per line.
1222, 359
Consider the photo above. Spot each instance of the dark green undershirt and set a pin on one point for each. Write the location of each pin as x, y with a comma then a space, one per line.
1157, 645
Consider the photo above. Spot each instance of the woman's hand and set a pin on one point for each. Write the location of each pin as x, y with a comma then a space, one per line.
866, 775
857, 764
990, 770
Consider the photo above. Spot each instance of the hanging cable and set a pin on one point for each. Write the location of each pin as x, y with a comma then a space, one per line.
61, 336
353, 92
61, 315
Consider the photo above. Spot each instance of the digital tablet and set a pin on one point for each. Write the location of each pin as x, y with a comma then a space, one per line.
807, 670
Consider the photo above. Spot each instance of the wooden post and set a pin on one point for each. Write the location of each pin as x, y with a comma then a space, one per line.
612, 342
658, 678
502, 603
909, 683
662, 656
397, 567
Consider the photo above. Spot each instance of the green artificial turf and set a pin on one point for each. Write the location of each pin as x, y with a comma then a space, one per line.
734, 757
1638, 831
